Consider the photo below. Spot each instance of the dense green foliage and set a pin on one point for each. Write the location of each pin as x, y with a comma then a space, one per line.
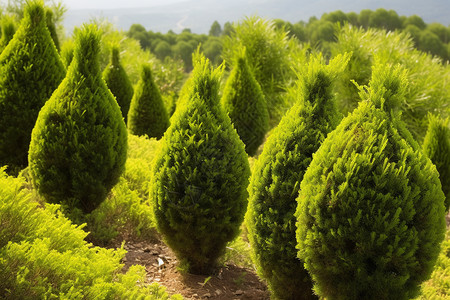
8, 27
428, 89
436, 146
244, 102
118, 82
371, 209
30, 70
268, 53
200, 175
44, 256
276, 178
79, 144
147, 115
52, 27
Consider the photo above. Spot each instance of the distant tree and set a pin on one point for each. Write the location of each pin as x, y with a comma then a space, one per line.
215, 30
364, 18
227, 28
147, 114
184, 51
212, 49
138, 32
118, 82
416, 21
337, 16
441, 31
431, 43
244, 102
162, 50
383, 19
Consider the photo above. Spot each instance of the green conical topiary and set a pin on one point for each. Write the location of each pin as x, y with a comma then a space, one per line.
30, 70
200, 175
8, 26
79, 144
245, 104
276, 178
437, 147
118, 82
371, 209
147, 114
52, 28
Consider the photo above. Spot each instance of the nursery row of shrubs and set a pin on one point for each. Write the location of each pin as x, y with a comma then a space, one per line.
341, 206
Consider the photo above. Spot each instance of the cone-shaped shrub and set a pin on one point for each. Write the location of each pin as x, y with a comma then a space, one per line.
147, 113
8, 29
66, 52
79, 144
371, 209
118, 82
276, 178
52, 28
200, 175
245, 104
30, 70
437, 147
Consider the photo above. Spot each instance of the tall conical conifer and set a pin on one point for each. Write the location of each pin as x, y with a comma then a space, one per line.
276, 178
436, 146
30, 70
244, 102
200, 175
79, 144
118, 82
371, 209
147, 114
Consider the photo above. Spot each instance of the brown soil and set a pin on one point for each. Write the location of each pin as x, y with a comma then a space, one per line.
229, 282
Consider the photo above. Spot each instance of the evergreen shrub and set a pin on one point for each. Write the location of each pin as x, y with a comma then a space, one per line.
79, 144
244, 102
51, 27
118, 82
200, 174
371, 210
30, 71
276, 177
436, 146
147, 115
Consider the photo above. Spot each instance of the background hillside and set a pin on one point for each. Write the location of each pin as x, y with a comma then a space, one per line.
198, 15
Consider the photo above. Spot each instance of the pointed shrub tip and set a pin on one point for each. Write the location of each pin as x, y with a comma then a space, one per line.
388, 86
36, 12
115, 55
87, 46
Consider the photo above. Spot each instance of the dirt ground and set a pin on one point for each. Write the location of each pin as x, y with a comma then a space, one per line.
230, 282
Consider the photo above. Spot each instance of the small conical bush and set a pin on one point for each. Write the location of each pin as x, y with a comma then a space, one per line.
244, 101
200, 175
118, 82
436, 146
147, 115
79, 144
371, 209
276, 178
8, 26
30, 70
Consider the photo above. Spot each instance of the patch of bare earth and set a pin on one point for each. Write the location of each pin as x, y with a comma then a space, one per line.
229, 282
